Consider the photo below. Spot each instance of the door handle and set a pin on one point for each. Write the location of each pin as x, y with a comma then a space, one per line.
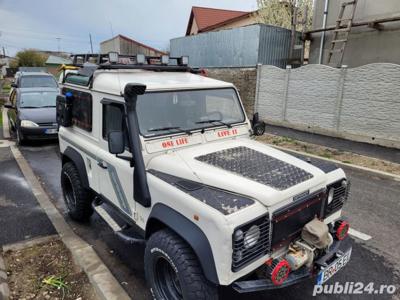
102, 165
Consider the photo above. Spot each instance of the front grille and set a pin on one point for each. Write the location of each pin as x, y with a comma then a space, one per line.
243, 256
288, 221
340, 195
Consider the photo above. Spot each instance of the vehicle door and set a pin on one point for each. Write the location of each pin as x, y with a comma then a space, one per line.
115, 174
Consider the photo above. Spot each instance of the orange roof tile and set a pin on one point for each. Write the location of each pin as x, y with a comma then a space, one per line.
209, 17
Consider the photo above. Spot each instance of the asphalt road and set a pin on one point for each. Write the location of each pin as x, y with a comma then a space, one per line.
17, 203
373, 208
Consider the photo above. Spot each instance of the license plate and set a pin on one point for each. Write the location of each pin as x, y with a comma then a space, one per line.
333, 268
51, 131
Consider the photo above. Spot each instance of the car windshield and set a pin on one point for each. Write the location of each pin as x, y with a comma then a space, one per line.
37, 81
182, 111
38, 99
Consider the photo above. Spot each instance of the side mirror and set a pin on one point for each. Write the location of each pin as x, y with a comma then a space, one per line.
116, 142
257, 125
9, 106
14, 85
255, 120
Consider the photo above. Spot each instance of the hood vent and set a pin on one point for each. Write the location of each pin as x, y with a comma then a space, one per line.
257, 166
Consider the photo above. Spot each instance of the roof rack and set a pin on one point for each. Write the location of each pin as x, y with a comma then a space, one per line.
89, 63
113, 60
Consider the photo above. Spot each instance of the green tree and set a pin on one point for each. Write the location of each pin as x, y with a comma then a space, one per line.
280, 12
30, 58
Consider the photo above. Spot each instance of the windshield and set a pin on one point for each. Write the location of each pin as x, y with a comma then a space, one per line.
37, 81
180, 111
38, 99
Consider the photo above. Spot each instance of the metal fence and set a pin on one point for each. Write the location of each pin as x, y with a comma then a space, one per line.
239, 47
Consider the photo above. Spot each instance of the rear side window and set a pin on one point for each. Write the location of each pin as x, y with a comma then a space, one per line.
113, 120
37, 81
82, 107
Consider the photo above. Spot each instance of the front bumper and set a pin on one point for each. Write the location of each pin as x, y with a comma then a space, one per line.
297, 276
39, 133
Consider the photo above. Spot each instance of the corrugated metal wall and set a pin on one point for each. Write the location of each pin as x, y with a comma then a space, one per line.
240, 47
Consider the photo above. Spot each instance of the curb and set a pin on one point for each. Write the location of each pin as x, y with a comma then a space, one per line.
4, 289
6, 131
359, 168
104, 283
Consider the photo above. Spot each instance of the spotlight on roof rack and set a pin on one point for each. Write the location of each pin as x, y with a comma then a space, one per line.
165, 59
113, 57
140, 58
183, 61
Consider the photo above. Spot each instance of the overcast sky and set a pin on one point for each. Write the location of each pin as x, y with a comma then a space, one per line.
49, 24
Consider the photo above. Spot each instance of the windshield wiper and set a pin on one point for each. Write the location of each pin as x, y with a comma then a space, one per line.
47, 106
30, 107
215, 121
169, 128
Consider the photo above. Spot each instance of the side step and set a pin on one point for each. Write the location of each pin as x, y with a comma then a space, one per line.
120, 228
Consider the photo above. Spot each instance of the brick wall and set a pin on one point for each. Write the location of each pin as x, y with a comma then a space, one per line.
245, 80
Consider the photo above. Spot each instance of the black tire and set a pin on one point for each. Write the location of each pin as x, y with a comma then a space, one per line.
259, 129
20, 137
173, 270
77, 199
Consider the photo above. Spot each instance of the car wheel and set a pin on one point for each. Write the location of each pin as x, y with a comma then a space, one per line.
173, 271
77, 199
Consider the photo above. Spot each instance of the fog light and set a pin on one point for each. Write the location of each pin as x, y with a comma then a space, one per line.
341, 230
279, 271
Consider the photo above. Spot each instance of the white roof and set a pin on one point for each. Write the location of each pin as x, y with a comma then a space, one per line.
114, 81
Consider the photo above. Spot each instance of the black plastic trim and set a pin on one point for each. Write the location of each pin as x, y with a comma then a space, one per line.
121, 215
79, 163
191, 233
141, 191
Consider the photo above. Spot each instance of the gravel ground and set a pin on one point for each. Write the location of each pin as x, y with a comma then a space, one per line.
32, 273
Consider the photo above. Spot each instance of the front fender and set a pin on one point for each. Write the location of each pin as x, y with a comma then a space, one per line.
70, 154
188, 231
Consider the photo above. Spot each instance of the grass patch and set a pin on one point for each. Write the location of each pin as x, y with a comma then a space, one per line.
6, 88
46, 271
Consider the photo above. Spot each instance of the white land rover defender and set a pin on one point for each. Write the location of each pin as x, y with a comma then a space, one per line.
160, 150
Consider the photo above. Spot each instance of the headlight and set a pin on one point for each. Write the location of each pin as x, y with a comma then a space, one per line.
251, 237
27, 123
330, 195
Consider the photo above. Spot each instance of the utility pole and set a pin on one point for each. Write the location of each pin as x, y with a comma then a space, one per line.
4, 52
91, 44
58, 44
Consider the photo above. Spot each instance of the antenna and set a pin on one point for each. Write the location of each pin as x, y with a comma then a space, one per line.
115, 49
91, 44
58, 44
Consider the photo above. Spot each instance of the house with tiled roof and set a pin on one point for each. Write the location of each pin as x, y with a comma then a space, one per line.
127, 46
205, 19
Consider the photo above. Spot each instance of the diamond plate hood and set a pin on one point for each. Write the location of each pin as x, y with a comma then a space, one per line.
243, 166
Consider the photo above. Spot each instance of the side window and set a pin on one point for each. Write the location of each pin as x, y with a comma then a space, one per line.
82, 108
113, 118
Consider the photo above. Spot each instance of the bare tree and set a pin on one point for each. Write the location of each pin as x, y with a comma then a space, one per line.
280, 12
